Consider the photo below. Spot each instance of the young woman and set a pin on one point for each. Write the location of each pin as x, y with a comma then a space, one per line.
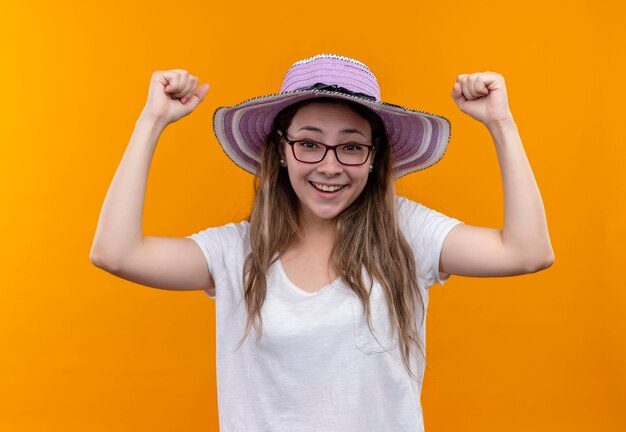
321, 294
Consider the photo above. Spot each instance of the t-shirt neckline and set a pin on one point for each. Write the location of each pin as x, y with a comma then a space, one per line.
299, 290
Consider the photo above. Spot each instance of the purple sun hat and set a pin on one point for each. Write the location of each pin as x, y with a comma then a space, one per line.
417, 139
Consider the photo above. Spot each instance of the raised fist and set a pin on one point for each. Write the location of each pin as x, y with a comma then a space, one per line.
173, 94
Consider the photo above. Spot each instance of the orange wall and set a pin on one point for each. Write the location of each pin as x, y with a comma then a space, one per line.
83, 350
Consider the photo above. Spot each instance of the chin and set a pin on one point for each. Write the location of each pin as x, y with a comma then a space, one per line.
332, 211
326, 214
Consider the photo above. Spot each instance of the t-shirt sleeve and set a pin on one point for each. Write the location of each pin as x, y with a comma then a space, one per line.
425, 229
217, 243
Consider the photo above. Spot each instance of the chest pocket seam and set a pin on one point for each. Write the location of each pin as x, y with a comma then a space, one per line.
367, 342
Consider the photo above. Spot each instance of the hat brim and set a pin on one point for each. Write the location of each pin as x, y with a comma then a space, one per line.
417, 139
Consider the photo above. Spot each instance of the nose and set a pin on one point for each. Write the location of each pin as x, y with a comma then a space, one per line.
330, 165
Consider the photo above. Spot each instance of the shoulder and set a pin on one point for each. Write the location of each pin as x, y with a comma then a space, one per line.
418, 220
237, 230
405, 205
228, 235
410, 212
408, 208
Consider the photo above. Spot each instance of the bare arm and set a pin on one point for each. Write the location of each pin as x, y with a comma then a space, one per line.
523, 244
119, 230
119, 246
525, 226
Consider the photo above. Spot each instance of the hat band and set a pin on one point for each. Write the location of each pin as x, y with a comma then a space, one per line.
338, 89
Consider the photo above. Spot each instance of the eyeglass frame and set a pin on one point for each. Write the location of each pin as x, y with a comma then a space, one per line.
370, 147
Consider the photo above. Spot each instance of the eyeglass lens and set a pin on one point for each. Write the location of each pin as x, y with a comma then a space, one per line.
350, 153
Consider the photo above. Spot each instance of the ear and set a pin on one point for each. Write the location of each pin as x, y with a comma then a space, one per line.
281, 149
372, 156
281, 145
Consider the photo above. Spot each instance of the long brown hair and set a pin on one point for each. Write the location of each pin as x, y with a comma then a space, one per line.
368, 235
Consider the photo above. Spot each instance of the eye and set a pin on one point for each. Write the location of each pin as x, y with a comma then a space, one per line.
308, 145
353, 148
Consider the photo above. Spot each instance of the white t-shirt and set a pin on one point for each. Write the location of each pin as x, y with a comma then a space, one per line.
317, 366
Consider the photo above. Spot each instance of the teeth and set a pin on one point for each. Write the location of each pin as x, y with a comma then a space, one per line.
326, 188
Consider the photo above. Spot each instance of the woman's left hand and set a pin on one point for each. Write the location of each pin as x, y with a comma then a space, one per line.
482, 96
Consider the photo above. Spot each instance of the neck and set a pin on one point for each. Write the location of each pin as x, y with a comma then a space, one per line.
317, 232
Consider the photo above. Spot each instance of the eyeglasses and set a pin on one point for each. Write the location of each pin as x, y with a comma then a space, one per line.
309, 151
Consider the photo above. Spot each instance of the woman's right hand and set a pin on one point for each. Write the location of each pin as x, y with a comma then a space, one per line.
172, 95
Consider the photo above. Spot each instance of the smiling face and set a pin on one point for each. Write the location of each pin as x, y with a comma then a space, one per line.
315, 184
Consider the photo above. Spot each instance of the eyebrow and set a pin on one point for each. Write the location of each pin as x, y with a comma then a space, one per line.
343, 131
